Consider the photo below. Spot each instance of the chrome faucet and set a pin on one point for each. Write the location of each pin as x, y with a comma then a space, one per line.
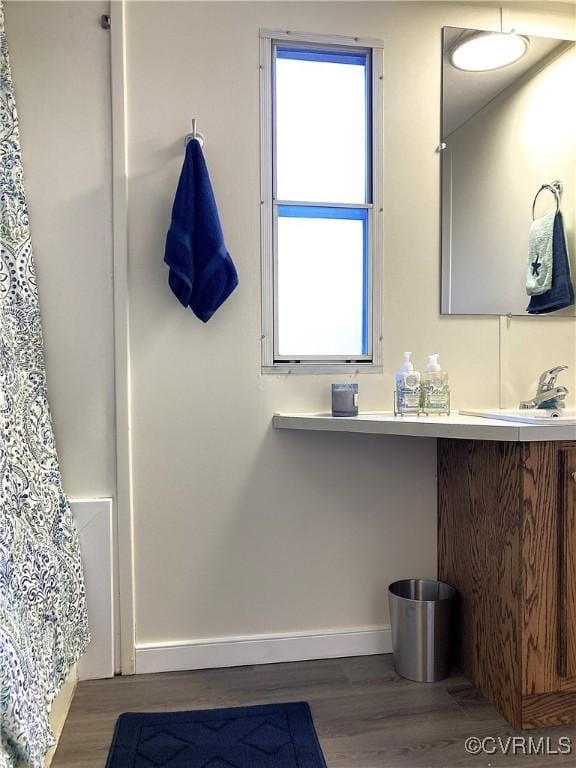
548, 395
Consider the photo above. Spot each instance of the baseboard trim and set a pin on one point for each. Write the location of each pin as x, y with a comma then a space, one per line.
261, 649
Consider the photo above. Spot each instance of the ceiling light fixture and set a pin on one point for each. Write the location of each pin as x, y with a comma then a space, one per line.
485, 51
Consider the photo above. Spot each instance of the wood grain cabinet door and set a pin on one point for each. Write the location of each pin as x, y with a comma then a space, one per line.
540, 568
567, 566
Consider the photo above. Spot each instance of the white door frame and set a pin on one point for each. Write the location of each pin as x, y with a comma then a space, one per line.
124, 510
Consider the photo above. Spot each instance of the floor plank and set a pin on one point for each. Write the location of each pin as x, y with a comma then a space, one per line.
366, 715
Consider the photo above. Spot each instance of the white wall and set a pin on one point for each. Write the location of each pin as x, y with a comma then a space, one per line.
240, 530
494, 165
61, 73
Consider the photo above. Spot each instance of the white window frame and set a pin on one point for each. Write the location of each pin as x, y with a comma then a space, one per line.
326, 363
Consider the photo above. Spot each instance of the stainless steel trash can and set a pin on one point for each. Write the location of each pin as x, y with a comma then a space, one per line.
421, 614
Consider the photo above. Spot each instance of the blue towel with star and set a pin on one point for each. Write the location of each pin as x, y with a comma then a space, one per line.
561, 292
202, 274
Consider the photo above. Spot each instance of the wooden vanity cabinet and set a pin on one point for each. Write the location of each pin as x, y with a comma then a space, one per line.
507, 542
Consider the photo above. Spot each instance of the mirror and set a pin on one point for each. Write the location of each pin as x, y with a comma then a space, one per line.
506, 132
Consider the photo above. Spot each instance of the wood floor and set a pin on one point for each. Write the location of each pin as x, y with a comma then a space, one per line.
365, 715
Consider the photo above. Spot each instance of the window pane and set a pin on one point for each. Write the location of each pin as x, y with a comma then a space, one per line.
321, 126
322, 281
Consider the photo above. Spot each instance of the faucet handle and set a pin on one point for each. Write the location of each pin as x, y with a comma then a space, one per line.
547, 379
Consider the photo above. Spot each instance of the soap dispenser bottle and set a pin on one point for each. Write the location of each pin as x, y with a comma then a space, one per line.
407, 398
435, 396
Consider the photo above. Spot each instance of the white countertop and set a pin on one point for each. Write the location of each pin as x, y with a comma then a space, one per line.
456, 426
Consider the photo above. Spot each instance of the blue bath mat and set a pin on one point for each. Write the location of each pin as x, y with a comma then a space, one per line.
268, 736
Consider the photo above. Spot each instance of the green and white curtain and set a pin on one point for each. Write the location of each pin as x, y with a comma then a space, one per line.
43, 622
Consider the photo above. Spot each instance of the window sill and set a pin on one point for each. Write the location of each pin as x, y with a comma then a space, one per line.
319, 368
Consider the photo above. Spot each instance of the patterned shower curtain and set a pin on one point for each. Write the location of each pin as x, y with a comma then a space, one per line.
43, 623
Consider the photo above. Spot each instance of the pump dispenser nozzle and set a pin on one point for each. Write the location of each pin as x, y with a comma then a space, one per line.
407, 366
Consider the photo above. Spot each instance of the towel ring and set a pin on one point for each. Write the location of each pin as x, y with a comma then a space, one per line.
555, 188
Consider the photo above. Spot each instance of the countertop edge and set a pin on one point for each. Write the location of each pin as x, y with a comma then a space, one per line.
458, 429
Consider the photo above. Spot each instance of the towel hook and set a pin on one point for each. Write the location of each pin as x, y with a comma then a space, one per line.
556, 187
194, 135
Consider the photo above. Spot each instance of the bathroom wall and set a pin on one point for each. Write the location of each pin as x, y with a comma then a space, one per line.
61, 72
498, 159
241, 531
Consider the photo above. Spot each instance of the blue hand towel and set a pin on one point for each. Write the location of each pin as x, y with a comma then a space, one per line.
202, 274
561, 293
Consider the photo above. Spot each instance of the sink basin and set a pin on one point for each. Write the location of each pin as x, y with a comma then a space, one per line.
566, 417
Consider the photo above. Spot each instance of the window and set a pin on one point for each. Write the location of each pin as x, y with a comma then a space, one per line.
321, 203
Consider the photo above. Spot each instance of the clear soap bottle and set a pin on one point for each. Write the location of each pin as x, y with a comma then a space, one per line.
407, 399
435, 396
